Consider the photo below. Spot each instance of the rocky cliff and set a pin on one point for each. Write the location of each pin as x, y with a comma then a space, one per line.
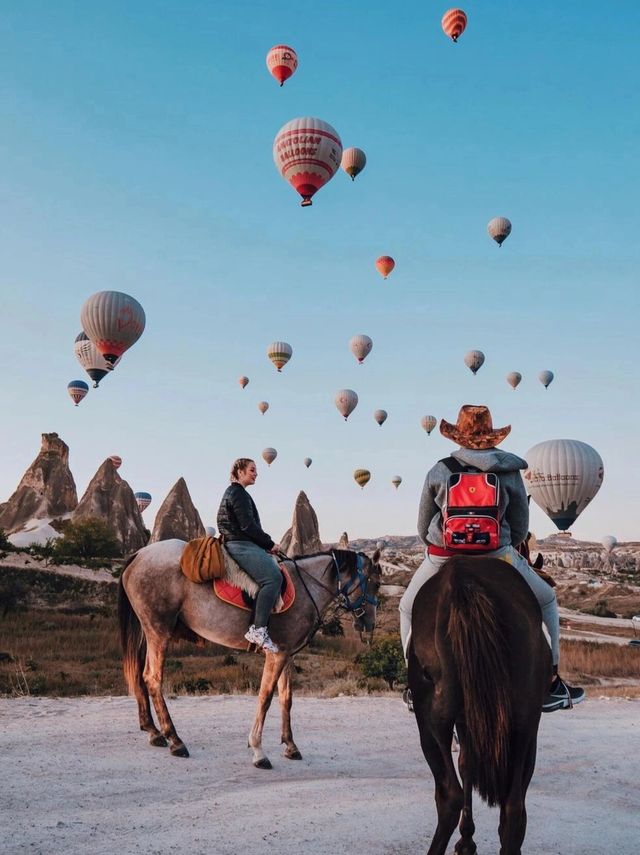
47, 489
110, 498
303, 538
177, 516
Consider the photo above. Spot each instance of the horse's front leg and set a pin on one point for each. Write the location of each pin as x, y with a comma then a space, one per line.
273, 665
285, 695
153, 672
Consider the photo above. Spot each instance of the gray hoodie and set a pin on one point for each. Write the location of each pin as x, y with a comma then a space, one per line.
514, 509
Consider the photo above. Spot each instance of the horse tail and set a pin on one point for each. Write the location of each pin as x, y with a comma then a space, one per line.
480, 652
132, 640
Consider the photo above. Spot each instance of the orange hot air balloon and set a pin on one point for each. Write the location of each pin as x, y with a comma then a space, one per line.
243, 381
385, 265
454, 22
282, 61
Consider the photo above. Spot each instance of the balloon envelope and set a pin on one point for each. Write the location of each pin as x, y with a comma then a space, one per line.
113, 321
362, 476
454, 22
279, 352
360, 346
91, 360
562, 478
428, 423
385, 265
307, 153
396, 481
282, 61
243, 381
263, 406
514, 378
346, 400
353, 161
380, 416
143, 499
210, 530
474, 360
77, 390
545, 377
609, 542
307, 462
499, 229
269, 455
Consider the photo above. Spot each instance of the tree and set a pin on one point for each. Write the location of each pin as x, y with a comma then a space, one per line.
384, 659
86, 540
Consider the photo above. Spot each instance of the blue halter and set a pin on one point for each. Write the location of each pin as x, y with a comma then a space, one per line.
360, 580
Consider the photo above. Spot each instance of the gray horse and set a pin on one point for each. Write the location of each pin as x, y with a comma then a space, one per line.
157, 603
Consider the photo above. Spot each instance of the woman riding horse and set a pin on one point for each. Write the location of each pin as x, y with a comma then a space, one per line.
477, 439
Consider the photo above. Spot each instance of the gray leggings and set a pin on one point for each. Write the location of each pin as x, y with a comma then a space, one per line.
263, 569
545, 595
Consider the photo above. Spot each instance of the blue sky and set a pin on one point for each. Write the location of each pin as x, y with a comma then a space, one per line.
136, 146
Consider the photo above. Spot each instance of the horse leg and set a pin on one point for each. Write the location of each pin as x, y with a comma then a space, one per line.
466, 844
285, 696
153, 672
273, 665
144, 713
513, 813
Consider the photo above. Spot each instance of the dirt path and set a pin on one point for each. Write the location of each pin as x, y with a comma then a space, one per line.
78, 777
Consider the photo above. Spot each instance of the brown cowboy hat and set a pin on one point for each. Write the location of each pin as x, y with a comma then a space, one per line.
474, 428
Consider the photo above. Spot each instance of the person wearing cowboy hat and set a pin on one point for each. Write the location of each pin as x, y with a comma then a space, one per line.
477, 438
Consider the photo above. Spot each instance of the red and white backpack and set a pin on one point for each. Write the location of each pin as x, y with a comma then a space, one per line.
471, 515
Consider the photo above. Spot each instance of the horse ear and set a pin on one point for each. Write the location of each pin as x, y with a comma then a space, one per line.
376, 556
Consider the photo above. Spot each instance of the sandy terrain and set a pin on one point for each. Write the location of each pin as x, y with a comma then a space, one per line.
78, 777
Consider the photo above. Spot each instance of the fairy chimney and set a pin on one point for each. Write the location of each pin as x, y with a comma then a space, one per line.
177, 516
343, 543
303, 538
46, 490
110, 498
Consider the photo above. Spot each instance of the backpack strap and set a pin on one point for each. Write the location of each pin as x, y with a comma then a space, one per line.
455, 466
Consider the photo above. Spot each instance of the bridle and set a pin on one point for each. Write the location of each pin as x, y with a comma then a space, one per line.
360, 580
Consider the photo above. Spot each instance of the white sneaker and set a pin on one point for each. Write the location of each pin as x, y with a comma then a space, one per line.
260, 635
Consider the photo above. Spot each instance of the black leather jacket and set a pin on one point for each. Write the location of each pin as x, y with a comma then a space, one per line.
238, 518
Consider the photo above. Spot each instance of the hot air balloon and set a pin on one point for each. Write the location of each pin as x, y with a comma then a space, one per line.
396, 481
77, 390
307, 153
514, 378
609, 542
116, 460
545, 377
428, 423
282, 61
380, 544
143, 499
93, 362
360, 346
346, 400
563, 477
454, 22
210, 530
263, 406
474, 360
499, 229
269, 455
362, 476
279, 352
307, 462
385, 265
113, 321
380, 416
353, 162
243, 381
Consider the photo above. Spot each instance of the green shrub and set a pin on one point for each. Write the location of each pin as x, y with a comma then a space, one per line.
86, 541
12, 594
5, 544
600, 609
384, 659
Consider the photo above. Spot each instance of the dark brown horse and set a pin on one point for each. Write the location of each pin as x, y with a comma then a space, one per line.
157, 603
479, 661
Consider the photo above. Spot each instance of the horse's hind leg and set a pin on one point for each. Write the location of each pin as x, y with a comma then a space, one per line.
466, 844
285, 695
273, 665
144, 712
513, 813
153, 672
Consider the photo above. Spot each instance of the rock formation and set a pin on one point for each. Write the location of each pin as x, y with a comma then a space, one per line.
110, 498
47, 489
177, 516
303, 538
343, 543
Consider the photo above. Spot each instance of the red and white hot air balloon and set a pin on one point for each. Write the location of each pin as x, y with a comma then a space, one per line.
385, 265
353, 162
282, 61
346, 400
77, 390
307, 152
454, 22
113, 321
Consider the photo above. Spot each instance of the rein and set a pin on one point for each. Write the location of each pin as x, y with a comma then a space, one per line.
344, 589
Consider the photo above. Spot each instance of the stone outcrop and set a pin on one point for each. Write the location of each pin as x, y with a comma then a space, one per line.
47, 489
303, 538
343, 543
110, 498
177, 516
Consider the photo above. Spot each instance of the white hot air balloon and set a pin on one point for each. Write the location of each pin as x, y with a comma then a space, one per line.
428, 423
360, 346
380, 416
346, 400
546, 378
307, 153
210, 530
263, 406
396, 481
353, 161
562, 478
514, 378
269, 455
474, 360
113, 321
91, 360
499, 229
609, 542
279, 352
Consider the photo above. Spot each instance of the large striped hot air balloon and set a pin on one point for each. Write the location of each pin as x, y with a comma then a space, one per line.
282, 61
279, 352
116, 460
346, 400
428, 423
77, 390
362, 476
474, 360
353, 162
143, 500
454, 22
396, 481
307, 152
563, 476
380, 416
91, 360
113, 321
263, 406
269, 455
385, 265
499, 229
360, 346
546, 378
514, 378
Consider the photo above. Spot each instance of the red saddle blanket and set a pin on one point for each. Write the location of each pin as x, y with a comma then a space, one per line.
229, 593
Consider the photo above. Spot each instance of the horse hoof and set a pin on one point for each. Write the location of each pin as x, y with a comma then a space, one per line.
293, 755
158, 740
179, 750
264, 763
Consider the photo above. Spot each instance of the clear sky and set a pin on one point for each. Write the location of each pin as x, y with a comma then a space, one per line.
136, 152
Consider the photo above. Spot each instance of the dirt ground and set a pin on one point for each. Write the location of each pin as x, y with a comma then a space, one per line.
78, 777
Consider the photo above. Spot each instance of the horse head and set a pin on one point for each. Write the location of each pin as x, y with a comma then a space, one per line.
359, 580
